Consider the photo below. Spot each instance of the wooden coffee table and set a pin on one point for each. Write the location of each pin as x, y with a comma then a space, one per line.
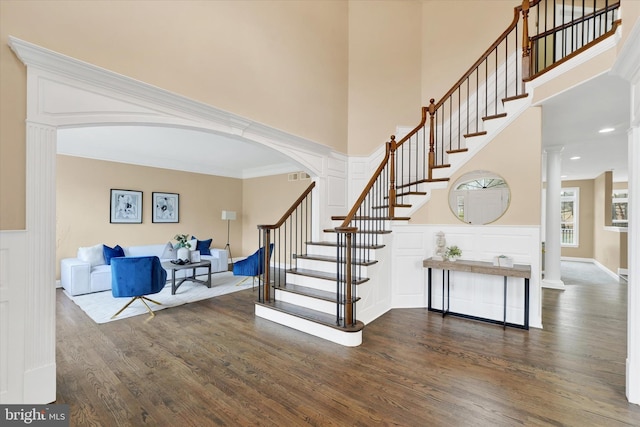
168, 265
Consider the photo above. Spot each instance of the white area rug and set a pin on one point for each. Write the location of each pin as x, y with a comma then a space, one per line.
100, 306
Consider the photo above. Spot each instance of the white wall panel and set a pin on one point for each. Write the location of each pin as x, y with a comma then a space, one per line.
473, 294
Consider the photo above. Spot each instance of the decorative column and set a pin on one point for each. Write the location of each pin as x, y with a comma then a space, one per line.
40, 309
633, 293
627, 66
552, 234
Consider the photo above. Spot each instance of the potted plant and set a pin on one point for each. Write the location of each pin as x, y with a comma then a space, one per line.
182, 247
453, 253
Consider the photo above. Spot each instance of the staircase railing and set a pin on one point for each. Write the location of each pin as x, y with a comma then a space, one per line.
567, 29
497, 77
289, 237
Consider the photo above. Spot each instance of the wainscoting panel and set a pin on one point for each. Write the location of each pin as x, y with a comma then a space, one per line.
12, 312
473, 294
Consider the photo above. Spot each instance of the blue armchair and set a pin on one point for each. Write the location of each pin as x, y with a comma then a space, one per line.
136, 277
253, 265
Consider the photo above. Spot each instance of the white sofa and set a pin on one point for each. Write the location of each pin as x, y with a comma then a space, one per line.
83, 275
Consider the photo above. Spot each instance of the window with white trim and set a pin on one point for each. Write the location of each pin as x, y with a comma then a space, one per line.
569, 201
619, 208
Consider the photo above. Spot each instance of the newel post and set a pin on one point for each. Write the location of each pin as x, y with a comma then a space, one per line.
345, 290
432, 137
392, 146
526, 43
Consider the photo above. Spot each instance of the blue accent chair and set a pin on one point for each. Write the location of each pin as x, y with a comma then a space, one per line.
136, 277
253, 265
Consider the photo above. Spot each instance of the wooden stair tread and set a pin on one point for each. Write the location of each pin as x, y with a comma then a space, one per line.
333, 259
513, 98
323, 275
312, 292
495, 116
458, 150
333, 244
471, 135
333, 230
426, 180
311, 315
409, 193
372, 218
447, 165
402, 205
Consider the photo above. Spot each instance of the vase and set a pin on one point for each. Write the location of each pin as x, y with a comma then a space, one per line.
183, 254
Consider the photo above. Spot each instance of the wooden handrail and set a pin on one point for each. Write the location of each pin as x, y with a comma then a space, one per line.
483, 57
576, 21
290, 210
365, 191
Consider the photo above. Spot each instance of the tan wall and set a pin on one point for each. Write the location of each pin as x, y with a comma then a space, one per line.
384, 71
264, 202
83, 202
586, 224
515, 155
443, 64
606, 242
282, 63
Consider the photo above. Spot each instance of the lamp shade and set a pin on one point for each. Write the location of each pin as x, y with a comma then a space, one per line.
229, 215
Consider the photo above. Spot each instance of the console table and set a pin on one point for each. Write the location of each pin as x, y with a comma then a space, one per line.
480, 267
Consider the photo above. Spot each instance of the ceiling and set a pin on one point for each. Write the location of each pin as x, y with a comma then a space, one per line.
571, 119
175, 148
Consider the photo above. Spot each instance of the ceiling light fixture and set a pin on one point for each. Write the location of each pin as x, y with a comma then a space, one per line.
574, 158
606, 130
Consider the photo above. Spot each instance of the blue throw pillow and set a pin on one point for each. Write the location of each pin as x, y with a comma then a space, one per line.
111, 253
203, 246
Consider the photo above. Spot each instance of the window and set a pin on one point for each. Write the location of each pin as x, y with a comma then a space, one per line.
619, 208
569, 216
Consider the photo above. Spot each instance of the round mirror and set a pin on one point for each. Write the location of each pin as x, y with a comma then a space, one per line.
479, 197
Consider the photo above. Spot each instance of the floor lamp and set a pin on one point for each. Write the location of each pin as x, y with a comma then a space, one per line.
228, 216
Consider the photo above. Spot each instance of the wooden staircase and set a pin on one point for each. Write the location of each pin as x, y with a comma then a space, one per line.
315, 290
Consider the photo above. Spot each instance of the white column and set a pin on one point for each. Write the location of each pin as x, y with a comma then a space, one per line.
40, 306
633, 293
552, 233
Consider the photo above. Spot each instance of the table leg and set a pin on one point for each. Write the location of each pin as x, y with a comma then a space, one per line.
429, 290
173, 281
209, 277
504, 318
526, 303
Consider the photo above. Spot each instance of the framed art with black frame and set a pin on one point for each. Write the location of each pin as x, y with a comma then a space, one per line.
126, 207
166, 207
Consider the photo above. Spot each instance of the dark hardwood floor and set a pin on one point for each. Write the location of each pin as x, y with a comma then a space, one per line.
214, 363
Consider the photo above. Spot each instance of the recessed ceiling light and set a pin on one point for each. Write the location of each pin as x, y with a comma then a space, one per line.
563, 176
574, 158
605, 130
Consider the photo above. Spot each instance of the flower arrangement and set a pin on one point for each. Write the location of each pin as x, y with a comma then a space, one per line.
453, 252
183, 241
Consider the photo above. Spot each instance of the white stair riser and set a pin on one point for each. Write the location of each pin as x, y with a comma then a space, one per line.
332, 237
331, 251
311, 282
348, 339
307, 302
327, 267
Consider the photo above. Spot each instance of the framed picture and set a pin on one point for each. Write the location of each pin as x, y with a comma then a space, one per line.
126, 207
166, 207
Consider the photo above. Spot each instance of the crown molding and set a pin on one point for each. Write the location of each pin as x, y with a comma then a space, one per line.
176, 109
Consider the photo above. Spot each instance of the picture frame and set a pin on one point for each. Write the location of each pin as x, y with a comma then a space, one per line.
166, 207
125, 207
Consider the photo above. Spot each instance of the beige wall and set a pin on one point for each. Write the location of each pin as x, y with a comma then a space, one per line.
586, 217
282, 63
515, 155
610, 247
384, 71
443, 64
83, 202
264, 201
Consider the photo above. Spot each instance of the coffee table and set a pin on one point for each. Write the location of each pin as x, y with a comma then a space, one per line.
168, 265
